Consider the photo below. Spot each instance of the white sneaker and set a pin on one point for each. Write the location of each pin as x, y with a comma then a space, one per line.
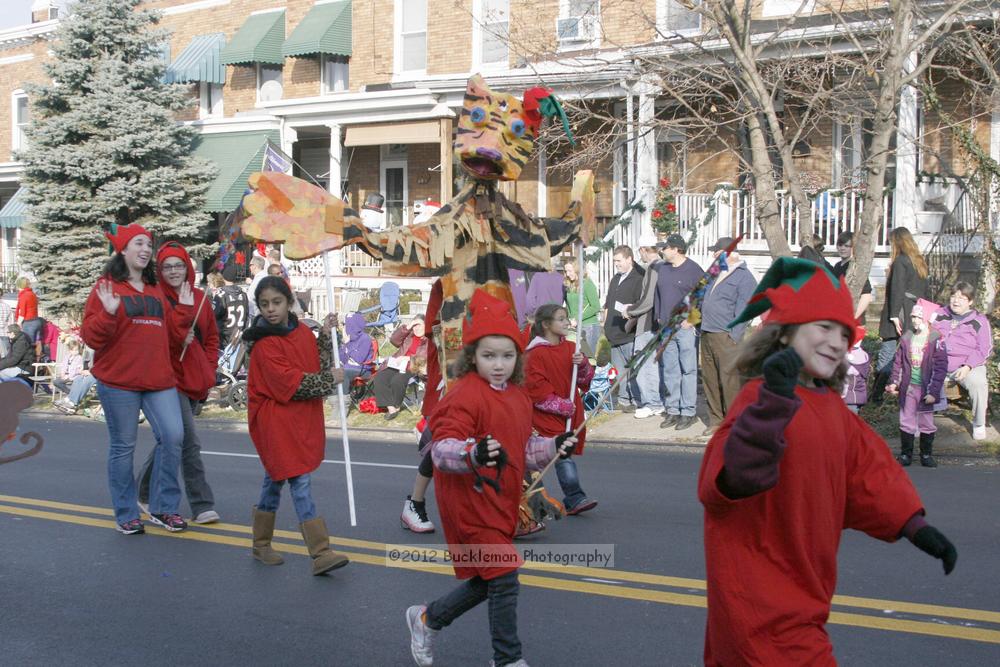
414, 517
642, 413
65, 407
978, 432
421, 636
209, 516
658, 411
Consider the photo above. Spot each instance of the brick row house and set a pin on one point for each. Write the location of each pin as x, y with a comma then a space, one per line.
364, 96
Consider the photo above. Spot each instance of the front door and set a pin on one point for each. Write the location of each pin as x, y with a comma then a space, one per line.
395, 189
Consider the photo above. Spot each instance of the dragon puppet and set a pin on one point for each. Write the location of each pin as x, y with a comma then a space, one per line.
471, 242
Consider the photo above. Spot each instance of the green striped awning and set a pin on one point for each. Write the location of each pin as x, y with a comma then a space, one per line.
325, 29
258, 40
14, 211
237, 155
200, 61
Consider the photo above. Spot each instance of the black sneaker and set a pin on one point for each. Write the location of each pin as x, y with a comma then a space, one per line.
172, 522
904, 460
927, 461
133, 527
685, 422
669, 421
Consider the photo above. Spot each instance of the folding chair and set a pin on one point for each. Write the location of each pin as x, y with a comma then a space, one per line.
388, 309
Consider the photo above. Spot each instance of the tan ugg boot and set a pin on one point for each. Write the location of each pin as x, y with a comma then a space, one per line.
318, 542
263, 530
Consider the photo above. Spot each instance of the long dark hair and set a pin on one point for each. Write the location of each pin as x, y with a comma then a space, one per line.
466, 363
276, 283
544, 315
116, 269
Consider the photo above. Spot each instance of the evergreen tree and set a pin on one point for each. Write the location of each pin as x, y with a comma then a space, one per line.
104, 148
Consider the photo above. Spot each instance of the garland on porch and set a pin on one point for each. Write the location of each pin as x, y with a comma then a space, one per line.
599, 246
711, 212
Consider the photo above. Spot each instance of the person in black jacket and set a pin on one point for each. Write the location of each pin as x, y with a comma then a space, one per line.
22, 355
624, 290
906, 281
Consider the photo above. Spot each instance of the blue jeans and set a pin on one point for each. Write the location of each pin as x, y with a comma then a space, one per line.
121, 411
648, 375
79, 388
569, 481
270, 496
502, 594
886, 355
680, 373
592, 334
628, 391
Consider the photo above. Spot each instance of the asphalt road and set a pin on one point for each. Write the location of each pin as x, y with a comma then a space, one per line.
74, 591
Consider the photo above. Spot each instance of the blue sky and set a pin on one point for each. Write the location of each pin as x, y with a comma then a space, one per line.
18, 12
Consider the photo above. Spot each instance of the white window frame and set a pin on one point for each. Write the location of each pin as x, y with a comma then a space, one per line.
839, 165
338, 85
677, 137
403, 164
662, 16
216, 110
18, 141
776, 8
572, 45
480, 26
260, 68
397, 51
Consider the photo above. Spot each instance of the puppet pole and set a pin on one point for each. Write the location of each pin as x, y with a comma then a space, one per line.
197, 314
579, 330
340, 390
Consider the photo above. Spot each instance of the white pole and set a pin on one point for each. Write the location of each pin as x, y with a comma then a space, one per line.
579, 328
340, 391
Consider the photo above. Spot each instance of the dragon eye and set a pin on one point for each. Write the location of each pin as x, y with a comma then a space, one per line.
477, 115
503, 105
517, 128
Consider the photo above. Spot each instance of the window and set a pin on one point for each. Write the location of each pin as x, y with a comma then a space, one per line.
491, 33
211, 99
774, 8
268, 82
411, 40
336, 74
21, 116
675, 17
578, 23
852, 143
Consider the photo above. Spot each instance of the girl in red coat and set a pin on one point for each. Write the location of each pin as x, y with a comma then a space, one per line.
548, 372
129, 324
789, 469
195, 376
289, 376
483, 442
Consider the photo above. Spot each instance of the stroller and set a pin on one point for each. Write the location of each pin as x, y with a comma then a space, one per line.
388, 310
231, 372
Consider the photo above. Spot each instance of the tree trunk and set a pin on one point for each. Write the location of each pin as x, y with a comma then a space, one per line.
767, 212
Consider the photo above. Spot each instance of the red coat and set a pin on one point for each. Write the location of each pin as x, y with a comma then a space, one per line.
196, 374
290, 436
27, 305
771, 558
132, 347
548, 371
473, 409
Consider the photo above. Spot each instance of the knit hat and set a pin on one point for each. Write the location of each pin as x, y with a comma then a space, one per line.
125, 233
797, 291
173, 249
489, 316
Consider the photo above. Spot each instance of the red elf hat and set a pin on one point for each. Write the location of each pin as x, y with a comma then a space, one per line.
122, 234
798, 291
489, 316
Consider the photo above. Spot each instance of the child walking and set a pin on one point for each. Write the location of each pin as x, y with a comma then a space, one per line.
859, 366
482, 444
918, 374
289, 376
548, 371
789, 469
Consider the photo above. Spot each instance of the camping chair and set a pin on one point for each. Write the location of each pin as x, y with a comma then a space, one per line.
388, 309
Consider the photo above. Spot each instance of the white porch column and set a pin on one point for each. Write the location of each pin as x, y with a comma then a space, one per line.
333, 184
289, 136
905, 198
646, 157
543, 181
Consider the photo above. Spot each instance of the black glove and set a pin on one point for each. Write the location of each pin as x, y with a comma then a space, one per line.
560, 439
930, 540
781, 372
481, 454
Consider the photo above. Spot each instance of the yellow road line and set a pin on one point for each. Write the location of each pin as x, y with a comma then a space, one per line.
558, 583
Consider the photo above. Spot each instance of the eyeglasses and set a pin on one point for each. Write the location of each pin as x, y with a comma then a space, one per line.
166, 268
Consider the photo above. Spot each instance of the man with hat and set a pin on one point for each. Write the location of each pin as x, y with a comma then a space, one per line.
677, 277
641, 322
725, 297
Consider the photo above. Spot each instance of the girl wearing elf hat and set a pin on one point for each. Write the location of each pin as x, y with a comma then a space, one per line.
482, 444
195, 377
772, 531
131, 327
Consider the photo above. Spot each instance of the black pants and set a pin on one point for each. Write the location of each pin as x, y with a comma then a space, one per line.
390, 387
502, 595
